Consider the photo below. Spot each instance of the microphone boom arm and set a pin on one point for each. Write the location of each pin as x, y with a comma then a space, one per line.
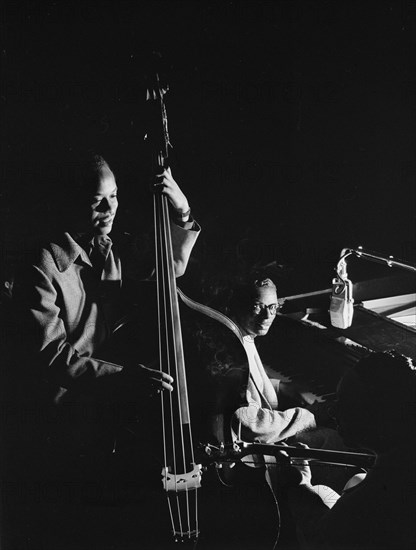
371, 256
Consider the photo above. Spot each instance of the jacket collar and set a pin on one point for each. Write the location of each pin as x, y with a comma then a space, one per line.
66, 250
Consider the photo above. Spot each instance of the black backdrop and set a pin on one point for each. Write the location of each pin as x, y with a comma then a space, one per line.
292, 122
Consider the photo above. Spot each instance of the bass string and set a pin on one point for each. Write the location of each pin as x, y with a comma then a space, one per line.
179, 365
164, 359
164, 363
159, 283
165, 308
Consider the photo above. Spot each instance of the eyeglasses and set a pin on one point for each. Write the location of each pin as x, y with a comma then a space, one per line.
261, 308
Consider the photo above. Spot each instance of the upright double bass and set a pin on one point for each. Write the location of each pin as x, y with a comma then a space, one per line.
181, 476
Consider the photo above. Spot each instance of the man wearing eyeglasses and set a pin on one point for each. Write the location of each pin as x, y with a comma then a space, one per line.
254, 308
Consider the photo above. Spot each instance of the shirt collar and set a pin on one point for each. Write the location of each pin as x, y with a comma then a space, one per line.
66, 250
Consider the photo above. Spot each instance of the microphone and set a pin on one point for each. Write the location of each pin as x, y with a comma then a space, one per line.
341, 307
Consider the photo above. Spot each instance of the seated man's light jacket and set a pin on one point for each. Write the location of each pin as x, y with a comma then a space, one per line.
260, 420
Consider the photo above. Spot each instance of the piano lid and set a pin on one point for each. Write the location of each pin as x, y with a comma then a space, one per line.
384, 308
401, 309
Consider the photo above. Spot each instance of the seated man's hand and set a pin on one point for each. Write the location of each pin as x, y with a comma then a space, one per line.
289, 389
290, 395
302, 466
298, 392
301, 476
298, 472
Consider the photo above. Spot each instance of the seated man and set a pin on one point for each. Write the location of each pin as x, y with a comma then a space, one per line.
254, 307
69, 300
264, 416
374, 411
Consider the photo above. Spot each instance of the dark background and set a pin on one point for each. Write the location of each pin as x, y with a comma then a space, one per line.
293, 123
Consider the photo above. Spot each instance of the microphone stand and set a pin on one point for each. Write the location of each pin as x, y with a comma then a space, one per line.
374, 257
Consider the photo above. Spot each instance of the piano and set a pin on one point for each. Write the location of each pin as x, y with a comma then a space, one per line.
302, 345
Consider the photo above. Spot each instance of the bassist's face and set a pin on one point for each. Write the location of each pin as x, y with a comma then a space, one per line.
99, 206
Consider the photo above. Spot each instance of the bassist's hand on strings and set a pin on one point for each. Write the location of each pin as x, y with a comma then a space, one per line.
148, 382
168, 186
